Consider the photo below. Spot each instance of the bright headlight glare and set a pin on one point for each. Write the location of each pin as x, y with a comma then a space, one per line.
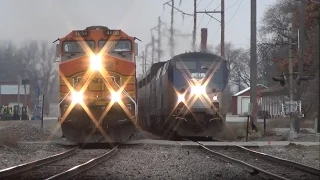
215, 98
77, 97
180, 98
198, 89
115, 96
95, 62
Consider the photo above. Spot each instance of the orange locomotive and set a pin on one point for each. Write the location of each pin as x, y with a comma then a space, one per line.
97, 85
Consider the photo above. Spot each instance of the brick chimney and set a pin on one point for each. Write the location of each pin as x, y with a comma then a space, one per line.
204, 37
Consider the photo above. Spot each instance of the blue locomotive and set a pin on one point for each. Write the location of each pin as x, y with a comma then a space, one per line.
182, 96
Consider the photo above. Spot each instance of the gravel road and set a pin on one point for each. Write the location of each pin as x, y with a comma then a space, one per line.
281, 170
165, 162
11, 156
307, 155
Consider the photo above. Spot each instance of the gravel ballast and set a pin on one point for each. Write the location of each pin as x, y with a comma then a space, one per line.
307, 155
25, 132
275, 168
60, 166
165, 162
12, 156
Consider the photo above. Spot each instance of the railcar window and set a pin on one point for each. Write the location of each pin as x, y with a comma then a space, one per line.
211, 64
186, 65
77, 46
118, 46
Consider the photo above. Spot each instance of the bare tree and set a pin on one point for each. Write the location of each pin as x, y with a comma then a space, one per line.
36, 61
273, 46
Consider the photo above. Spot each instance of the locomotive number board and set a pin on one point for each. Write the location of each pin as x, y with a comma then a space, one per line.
112, 32
81, 33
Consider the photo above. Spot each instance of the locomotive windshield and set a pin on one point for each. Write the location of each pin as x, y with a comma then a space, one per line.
200, 68
117, 46
77, 46
191, 65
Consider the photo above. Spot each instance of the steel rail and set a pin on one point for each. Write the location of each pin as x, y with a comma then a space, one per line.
278, 160
7, 172
76, 170
253, 170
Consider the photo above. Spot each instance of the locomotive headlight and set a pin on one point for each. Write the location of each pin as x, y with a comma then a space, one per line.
215, 98
115, 96
198, 89
96, 62
181, 98
77, 97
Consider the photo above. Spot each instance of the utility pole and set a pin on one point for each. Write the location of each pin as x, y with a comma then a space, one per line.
222, 22
253, 64
171, 30
194, 25
292, 134
222, 29
300, 55
19, 82
159, 39
152, 49
318, 52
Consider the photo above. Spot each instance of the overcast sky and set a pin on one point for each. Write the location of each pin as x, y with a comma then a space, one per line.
49, 19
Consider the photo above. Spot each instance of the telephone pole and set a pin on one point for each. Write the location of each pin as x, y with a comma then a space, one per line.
152, 49
301, 44
222, 29
159, 39
194, 25
222, 22
253, 63
292, 134
171, 30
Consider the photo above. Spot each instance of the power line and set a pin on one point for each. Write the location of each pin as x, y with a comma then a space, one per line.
201, 20
208, 22
235, 12
209, 4
232, 4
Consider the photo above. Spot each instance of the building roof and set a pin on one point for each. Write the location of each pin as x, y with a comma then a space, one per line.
273, 89
247, 89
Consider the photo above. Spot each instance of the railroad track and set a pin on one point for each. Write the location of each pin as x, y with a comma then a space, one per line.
266, 166
61, 166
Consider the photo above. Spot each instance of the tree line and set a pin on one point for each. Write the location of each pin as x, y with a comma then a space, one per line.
32, 60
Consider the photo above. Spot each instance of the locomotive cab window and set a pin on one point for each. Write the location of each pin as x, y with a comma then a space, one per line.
210, 65
77, 46
186, 65
116, 45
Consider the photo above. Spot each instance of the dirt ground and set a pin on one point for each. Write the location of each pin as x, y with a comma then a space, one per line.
276, 130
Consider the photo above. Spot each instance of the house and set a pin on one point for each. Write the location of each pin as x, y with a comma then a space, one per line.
271, 100
9, 95
241, 100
